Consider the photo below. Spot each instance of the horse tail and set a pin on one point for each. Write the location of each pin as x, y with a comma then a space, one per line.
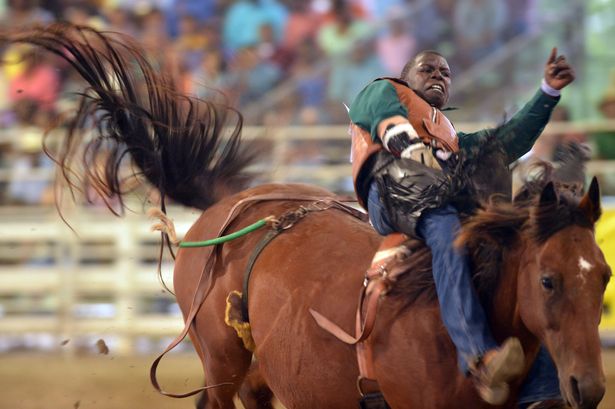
187, 148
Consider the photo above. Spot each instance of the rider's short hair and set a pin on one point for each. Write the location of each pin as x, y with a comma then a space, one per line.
412, 62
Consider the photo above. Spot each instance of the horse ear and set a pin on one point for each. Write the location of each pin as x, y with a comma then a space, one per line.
590, 203
548, 196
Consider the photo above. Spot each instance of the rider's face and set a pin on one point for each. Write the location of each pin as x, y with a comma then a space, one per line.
430, 78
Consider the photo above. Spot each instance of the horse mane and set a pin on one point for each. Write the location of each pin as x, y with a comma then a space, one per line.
491, 230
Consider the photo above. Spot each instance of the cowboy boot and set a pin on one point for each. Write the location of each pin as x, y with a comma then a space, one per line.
495, 369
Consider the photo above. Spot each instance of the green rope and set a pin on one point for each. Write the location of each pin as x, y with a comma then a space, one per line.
228, 237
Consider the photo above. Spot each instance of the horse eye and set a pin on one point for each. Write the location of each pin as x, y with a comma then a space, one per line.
547, 283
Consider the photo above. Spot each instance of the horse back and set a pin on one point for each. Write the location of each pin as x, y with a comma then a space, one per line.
317, 263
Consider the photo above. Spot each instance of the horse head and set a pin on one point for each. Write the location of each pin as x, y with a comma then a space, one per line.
560, 289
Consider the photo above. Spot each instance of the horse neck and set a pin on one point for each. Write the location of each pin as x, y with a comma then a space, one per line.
505, 318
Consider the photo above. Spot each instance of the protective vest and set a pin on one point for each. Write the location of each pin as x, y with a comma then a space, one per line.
429, 122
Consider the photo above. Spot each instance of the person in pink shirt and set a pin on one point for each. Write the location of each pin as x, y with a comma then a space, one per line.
37, 81
302, 25
397, 44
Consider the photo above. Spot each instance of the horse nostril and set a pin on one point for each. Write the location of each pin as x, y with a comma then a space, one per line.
576, 393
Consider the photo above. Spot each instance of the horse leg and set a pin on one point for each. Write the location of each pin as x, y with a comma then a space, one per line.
223, 362
224, 358
254, 392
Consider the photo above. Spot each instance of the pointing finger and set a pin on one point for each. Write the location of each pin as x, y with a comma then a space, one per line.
552, 56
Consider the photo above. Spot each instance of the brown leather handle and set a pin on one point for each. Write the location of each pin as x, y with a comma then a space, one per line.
364, 326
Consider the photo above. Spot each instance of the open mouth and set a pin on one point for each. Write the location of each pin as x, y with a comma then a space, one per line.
436, 88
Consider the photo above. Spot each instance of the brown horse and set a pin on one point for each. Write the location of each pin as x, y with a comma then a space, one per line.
539, 270
547, 287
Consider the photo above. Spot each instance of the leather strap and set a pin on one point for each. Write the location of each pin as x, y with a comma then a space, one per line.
267, 238
377, 282
369, 297
204, 285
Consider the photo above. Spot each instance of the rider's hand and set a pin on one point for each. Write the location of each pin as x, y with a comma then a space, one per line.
401, 140
558, 73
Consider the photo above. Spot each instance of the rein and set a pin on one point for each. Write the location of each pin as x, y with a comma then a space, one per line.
204, 285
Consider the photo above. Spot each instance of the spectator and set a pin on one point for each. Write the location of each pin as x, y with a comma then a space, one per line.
337, 38
349, 78
208, 80
270, 50
81, 15
35, 79
521, 16
311, 85
24, 12
478, 27
303, 24
121, 20
250, 77
203, 11
243, 20
191, 43
276, 14
5, 104
27, 156
379, 11
604, 141
561, 116
431, 23
396, 45
5, 163
154, 36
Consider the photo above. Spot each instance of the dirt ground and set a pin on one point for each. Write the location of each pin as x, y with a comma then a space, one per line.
107, 382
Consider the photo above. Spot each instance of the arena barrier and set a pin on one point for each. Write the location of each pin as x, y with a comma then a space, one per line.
100, 282
605, 235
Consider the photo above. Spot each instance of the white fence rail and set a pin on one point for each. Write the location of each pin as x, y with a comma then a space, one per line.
100, 281
324, 150
96, 283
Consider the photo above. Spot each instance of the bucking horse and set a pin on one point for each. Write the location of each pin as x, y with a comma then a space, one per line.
538, 269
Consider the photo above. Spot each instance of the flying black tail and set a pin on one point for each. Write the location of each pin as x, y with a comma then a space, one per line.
189, 149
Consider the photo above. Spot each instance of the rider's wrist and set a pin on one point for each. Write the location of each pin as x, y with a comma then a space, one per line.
549, 90
397, 138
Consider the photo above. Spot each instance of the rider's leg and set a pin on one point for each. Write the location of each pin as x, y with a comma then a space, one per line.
491, 367
542, 383
377, 212
462, 313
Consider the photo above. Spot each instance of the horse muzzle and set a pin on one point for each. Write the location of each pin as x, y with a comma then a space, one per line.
584, 392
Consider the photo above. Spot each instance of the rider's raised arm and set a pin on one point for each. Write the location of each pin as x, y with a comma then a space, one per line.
521, 131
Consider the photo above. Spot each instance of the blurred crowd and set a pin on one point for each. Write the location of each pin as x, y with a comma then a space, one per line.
245, 48
317, 53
